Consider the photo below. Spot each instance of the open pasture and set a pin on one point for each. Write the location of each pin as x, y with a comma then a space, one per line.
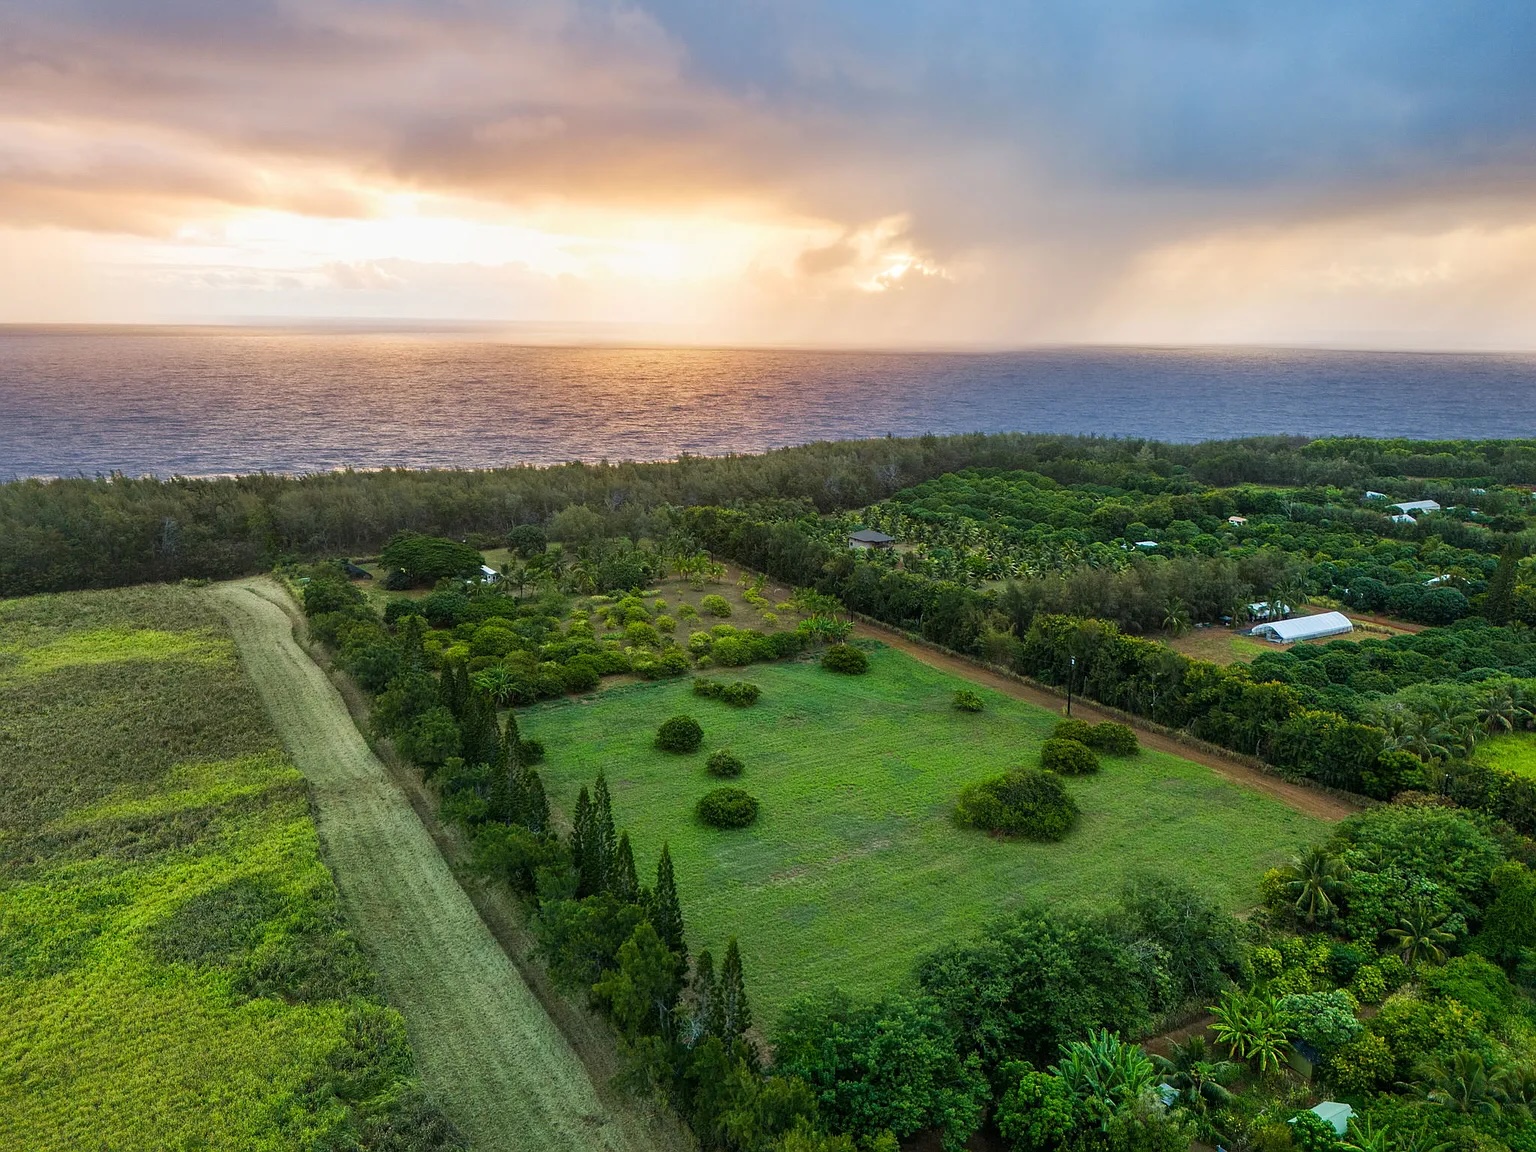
854, 866
1512, 751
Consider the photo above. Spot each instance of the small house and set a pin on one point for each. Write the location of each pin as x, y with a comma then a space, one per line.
866, 538
1268, 610
1375, 496
488, 575
1237, 521
1146, 543
1402, 518
1411, 506
1336, 1115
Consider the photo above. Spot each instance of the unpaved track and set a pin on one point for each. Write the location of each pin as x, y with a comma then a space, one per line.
1308, 801
484, 1045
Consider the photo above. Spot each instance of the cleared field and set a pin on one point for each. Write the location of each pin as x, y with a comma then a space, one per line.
486, 1046
854, 867
175, 971
1514, 752
1218, 645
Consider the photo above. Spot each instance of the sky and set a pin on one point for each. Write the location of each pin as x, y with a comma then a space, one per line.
1348, 173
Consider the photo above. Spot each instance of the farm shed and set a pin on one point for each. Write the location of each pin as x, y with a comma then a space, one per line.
1411, 506
488, 574
870, 538
1305, 627
1402, 518
355, 572
1375, 496
1237, 521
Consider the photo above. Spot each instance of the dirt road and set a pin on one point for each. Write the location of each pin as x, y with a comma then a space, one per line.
485, 1047
1305, 800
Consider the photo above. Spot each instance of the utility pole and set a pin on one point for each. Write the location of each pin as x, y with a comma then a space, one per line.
1071, 675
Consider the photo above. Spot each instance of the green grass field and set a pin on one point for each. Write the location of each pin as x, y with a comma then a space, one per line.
854, 867
1514, 752
175, 971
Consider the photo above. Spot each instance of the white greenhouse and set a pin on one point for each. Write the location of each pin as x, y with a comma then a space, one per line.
1305, 628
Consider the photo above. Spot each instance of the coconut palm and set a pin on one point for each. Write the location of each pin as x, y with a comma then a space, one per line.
1504, 710
1463, 1082
1316, 880
1176, 617
1420, 937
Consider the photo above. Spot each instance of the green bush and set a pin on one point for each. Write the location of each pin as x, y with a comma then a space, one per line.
680, 734
530, 752
1068, 757
727, 808
846, 659
740, 693
715, 605
1113, 739
967, 701
1025, 802
1070, 729
724, 764
581, 674
1360, 1066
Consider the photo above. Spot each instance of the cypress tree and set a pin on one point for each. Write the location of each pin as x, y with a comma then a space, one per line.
625, 885
449, 693
535, 814
583, 855
735, 1012
479, 743
413, 653
666, 912
708, 1020
511, 740
1499, 603
605, 843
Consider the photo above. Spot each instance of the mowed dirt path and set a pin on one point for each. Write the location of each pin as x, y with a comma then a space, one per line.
1305, 800
485, 1047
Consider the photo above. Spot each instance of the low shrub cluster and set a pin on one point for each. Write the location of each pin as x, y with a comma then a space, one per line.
739, 693
967, 701
679, 734
845, 658
1068, 757
727, 808
1025, 802
724, 764
1107, 737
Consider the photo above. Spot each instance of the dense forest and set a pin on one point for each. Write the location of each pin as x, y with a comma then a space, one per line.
114, 530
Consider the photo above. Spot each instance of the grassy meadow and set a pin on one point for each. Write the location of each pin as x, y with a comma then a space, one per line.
174, 967
854, 867
1512, 751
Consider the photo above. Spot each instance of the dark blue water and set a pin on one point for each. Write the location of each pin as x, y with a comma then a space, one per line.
202, 402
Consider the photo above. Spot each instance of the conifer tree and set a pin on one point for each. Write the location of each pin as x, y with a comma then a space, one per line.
666, 912
450, 690
583, 855
1499, 603
479, 744
605, 843
708, 1020
413, 652
736, 1013
535, 810
511, 740
625, 884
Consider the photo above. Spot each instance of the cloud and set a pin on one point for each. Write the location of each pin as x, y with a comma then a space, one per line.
1006, 171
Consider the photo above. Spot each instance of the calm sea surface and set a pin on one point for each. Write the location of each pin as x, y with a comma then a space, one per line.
193, 402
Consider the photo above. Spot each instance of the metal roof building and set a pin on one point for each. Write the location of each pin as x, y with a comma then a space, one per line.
1416, 506
1304, 628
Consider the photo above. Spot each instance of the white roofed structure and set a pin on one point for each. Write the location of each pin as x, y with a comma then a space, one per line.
1416, 506
1304, 628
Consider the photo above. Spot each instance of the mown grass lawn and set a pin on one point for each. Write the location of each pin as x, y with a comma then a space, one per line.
854, 867
1513, 751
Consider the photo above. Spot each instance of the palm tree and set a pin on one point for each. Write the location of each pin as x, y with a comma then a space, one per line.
1176, 617
1464, 1083
1316, 879
1504, 710
1197, 1074
1420, 938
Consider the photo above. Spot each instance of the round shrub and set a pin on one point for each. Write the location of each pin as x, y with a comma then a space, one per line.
680, 734
967, 701
727, 808
1025, 802
1069, 729
1113, 739
715, 605
724, 764
1068, 757
581, 674
741, 694
845, 658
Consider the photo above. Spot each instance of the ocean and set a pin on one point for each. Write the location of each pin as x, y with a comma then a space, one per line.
197, 402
